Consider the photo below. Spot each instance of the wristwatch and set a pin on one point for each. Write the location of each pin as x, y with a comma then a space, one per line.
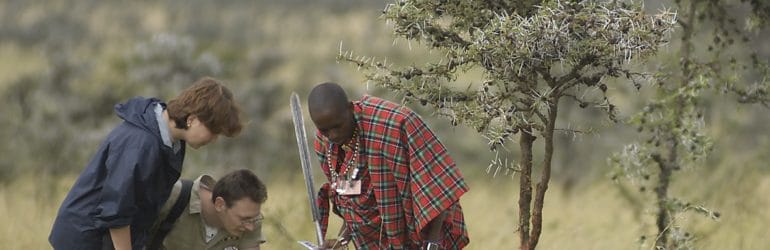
431, 246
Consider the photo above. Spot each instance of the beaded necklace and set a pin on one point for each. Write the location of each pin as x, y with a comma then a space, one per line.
351, 163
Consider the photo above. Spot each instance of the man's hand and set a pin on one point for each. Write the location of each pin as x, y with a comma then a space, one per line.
342, 241
335, 244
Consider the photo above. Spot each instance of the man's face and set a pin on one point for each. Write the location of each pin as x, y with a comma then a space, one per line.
243, 216
336, 125
198, 134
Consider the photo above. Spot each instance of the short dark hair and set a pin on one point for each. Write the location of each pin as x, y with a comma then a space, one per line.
238, 185
327, 96
212, 103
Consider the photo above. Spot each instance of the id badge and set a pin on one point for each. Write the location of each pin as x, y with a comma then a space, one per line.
349, 187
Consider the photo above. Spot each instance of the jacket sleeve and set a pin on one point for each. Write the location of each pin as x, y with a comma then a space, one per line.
117, 205
167, 205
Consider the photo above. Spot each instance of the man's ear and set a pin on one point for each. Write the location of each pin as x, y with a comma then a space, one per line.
220, 204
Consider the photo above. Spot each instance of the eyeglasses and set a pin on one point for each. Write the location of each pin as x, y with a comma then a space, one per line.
252, 221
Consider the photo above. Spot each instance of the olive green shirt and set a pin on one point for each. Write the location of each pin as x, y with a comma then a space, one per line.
189, 232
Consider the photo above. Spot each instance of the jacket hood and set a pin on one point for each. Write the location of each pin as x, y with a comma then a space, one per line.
140, 112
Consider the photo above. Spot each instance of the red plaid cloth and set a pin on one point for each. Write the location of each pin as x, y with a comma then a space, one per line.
408, 179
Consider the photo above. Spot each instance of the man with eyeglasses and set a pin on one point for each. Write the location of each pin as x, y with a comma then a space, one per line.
222, 214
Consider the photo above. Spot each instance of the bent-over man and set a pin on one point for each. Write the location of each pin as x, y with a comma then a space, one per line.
389, 178
222, 214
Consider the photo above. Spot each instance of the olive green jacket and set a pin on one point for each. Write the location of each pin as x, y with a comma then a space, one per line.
189, 232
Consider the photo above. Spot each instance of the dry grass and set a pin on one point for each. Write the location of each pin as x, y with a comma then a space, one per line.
592, 217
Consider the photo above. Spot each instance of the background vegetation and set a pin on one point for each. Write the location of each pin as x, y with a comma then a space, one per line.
64, 64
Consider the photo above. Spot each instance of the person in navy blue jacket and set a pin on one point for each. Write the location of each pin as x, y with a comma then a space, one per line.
119, 194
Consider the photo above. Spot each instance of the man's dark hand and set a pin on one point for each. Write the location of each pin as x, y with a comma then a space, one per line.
335, 244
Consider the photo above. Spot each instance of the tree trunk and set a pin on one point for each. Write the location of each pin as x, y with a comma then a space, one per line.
542, 186
525, 186
669, 163
661, 191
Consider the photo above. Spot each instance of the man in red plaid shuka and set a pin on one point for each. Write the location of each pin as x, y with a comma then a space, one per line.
390, 179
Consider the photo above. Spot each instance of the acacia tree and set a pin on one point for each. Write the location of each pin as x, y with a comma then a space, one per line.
672, 122
533, 54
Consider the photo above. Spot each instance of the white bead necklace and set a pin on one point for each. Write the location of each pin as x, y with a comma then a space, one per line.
351, 163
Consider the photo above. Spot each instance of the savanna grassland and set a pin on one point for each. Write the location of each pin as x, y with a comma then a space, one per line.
64, 64
591, 216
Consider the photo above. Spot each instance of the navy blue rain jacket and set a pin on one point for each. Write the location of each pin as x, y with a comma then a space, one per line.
125, 183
